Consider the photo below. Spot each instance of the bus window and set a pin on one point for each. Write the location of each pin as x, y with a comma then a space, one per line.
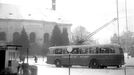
107, 50
83, 51
102, 50
89, 49
51, 51
92, 50
97, 50
58, 51
75, 51
65, 51
111, 50
121, 50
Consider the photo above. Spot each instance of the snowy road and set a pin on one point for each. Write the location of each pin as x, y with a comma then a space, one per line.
45, 69
77, 71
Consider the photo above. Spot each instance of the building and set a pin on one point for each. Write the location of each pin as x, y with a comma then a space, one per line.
35, 21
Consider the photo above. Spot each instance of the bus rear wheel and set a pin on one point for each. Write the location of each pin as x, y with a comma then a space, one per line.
118, 66
57, 63
67, 65
93, 64
102, 66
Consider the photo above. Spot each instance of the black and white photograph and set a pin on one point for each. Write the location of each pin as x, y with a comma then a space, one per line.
66, 37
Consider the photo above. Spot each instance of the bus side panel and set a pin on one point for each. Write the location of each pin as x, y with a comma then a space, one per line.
106, 60
110, 60
52, 57
118, 60
101, 59
65, 59
72, 60
84, 60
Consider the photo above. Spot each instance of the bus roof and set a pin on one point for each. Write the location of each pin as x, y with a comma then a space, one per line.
97, 45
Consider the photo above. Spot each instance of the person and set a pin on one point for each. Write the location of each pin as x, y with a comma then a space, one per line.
35, 59
22, 59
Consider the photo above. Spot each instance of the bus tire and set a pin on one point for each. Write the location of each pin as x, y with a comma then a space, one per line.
102, 66
57, 63
67, 65
94, 64
118, 66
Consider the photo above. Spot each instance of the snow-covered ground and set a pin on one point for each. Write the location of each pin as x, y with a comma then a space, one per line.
46, 69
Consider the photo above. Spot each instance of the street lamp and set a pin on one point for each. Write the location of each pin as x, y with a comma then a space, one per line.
69, 49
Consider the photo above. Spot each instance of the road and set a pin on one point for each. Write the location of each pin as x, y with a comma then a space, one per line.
46, 69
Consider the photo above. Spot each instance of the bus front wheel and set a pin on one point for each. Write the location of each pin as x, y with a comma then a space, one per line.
93, 64
58, 63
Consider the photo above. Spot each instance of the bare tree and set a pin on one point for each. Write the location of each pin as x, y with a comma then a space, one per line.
80, 36
126, 40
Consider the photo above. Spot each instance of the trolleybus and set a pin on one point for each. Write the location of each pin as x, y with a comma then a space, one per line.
93, 56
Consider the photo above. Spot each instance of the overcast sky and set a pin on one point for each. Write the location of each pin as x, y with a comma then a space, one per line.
88, 13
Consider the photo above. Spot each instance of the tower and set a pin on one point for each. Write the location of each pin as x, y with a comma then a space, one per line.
53, 4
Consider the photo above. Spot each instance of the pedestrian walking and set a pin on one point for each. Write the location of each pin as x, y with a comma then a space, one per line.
35, 59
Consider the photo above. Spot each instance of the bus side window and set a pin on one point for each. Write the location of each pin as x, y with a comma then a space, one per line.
90, 50
97, 50
75, 51
102, 50
65, 51
87, 50
83, 51
107, 50
111, 50
58, 51
93, 50
121, 50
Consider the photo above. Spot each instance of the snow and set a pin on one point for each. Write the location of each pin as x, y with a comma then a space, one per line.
47, 69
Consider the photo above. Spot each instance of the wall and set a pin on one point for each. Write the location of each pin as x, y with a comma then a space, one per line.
39, 27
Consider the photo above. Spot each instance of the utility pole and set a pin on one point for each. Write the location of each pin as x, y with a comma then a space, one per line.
126, 15
126, 25
69, 49
118, 20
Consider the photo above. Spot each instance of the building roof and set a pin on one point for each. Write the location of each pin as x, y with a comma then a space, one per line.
9, 11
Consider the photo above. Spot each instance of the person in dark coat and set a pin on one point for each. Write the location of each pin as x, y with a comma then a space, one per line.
35, 59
